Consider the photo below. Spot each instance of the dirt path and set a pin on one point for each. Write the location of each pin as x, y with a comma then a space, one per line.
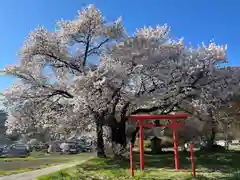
31, 175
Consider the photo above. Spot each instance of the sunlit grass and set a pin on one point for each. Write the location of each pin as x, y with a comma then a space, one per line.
221, 166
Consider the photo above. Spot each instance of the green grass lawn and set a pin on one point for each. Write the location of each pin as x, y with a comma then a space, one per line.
221, 166
35, 161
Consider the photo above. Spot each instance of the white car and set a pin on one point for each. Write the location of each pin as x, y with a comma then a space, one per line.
69, 148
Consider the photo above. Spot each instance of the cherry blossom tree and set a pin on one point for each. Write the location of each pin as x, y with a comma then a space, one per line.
61, 91
167, 73
228, 116
209, 104
50, 64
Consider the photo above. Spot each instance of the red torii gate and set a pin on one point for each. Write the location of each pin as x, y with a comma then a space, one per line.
173, 117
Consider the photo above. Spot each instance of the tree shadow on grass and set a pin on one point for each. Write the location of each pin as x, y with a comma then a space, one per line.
226, 163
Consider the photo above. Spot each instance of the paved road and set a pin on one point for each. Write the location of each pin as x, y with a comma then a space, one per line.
31, 175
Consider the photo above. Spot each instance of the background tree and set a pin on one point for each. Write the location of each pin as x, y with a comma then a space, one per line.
3, 118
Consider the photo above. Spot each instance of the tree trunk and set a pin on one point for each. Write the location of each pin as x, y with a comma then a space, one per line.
226, 142
211, 139
156, 145
134, 136
118, 130
52, 148
100, 141
119, 140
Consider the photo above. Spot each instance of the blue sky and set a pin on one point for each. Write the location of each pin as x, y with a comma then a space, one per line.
195, 20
